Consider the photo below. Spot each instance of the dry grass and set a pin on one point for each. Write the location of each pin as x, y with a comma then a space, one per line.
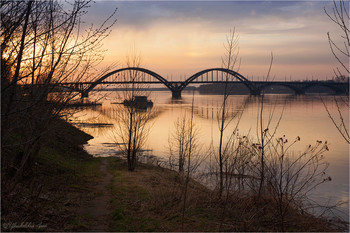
151, 199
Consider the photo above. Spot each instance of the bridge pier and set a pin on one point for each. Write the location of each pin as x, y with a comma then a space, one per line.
176, 94
84, 95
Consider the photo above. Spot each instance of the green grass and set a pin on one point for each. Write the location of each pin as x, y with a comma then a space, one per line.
67, 163
72, 171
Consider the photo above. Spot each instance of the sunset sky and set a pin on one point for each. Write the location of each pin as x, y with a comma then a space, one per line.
179, 38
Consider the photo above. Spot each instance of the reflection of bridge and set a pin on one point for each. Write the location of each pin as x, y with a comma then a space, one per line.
136, 75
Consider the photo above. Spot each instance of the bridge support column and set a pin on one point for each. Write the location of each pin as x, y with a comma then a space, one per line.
176, 94
84, 95
255, 92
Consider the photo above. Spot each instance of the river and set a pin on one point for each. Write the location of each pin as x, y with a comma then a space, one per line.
301, 116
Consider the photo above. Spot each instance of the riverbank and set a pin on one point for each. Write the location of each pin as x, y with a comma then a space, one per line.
152, 199
71, 191
47, 197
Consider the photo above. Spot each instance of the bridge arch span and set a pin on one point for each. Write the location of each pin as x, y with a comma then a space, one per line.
336, 89
291, 87
143, 70
238, 76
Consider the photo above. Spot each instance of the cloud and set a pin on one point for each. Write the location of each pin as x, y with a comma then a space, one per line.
190, 35
140, 14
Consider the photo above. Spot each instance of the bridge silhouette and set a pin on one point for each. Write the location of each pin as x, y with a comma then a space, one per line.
137, 75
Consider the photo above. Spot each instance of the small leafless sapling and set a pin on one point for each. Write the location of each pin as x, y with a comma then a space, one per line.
133, 120
291, 176
229, 61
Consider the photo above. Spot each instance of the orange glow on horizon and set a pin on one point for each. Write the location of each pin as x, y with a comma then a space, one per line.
178, 48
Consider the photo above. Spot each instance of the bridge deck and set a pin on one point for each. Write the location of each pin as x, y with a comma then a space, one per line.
208, 76
208, 81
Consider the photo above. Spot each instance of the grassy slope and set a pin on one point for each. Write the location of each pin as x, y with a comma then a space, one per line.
151, 199
48, 196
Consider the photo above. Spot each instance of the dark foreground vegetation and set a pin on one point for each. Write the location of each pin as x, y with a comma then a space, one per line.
46, 198
52, 194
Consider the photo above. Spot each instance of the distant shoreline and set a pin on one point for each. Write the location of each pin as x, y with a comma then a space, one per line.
234, 89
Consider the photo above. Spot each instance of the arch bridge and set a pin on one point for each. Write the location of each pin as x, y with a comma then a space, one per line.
136, 77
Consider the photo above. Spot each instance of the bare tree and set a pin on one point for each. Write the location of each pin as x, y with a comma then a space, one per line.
183, 141
191, 141
42, 46
340, 16
186, 152
133, 118
265, 132
290, 178
229, 61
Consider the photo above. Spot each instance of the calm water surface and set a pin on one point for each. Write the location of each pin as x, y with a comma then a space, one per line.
303, 116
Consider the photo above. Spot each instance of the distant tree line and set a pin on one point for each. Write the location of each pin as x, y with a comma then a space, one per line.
241, 89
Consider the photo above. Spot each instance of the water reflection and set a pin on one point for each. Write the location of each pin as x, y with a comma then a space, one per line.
302, 116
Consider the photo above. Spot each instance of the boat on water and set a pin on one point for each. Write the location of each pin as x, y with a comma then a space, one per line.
140, 102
